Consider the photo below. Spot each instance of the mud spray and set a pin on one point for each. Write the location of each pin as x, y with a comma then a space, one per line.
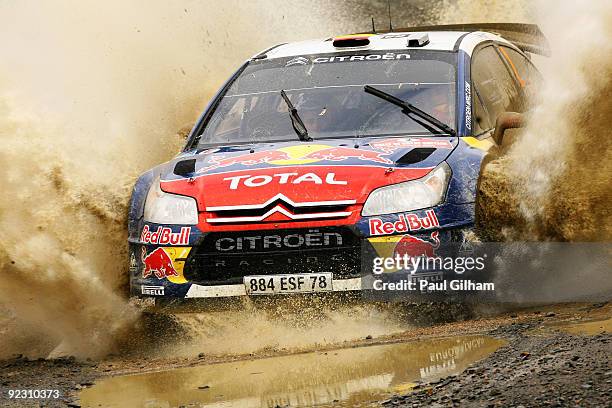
93, 94
553, 183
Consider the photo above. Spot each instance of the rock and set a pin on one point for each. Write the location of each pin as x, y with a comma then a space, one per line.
369, 337
550, 314
201, 355
203, 387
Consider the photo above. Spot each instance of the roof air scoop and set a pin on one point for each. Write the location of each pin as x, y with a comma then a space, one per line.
418, 40
350, 41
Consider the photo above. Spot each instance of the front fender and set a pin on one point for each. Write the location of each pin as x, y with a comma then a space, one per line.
465, 163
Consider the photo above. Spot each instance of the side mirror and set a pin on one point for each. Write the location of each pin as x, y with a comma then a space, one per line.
507, 120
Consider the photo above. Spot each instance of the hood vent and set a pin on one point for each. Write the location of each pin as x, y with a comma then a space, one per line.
416, 155
185, 168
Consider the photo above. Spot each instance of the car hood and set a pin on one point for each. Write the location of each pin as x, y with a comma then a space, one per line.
298, 175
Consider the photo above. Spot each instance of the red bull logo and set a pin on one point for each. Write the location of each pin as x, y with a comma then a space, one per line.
158, 263
413, 247
389, 146
405, 223
345, 153
165, 236
298, 154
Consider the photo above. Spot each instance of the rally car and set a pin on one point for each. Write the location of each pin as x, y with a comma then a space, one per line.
315, 150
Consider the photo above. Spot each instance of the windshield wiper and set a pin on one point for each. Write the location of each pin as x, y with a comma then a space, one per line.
296, 121
408, 109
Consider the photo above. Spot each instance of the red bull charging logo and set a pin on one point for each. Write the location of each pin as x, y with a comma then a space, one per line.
296, 155
312, 153
413, 247
158, 263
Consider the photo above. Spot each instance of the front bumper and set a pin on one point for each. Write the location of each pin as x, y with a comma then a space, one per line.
212, 265
219, 291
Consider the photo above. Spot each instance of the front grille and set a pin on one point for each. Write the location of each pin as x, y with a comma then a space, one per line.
282, 205
226, 257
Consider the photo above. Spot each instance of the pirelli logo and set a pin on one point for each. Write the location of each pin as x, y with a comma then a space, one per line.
152, 290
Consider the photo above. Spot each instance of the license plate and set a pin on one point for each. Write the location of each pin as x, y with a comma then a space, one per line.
278, 284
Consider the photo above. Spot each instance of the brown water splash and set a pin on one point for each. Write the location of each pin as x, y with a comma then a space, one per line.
91, 94
553, 183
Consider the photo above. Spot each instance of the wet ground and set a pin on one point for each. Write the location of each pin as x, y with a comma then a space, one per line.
547, 356
347, 376
559, 359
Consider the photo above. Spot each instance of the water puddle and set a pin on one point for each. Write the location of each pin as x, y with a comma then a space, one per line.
348, 376
590, 328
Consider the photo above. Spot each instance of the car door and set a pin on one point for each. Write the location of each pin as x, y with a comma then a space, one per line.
495, 89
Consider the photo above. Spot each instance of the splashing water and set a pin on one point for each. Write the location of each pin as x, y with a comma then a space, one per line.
90, 96
93, 94
296, 328
558, 171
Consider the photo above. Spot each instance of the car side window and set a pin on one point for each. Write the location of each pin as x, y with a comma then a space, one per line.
527, 76
493, 82
480, 118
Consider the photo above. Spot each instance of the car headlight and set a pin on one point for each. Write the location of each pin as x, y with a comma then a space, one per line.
411, 195
165, 208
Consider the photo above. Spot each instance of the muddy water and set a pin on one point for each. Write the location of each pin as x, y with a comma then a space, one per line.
589, 328
347, 376
303, 326
92, 95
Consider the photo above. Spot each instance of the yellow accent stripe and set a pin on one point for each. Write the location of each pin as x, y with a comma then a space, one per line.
483, 145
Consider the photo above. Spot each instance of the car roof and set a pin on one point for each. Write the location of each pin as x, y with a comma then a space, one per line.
438, 41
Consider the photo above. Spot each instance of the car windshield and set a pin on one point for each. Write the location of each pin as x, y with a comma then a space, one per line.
327, 91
